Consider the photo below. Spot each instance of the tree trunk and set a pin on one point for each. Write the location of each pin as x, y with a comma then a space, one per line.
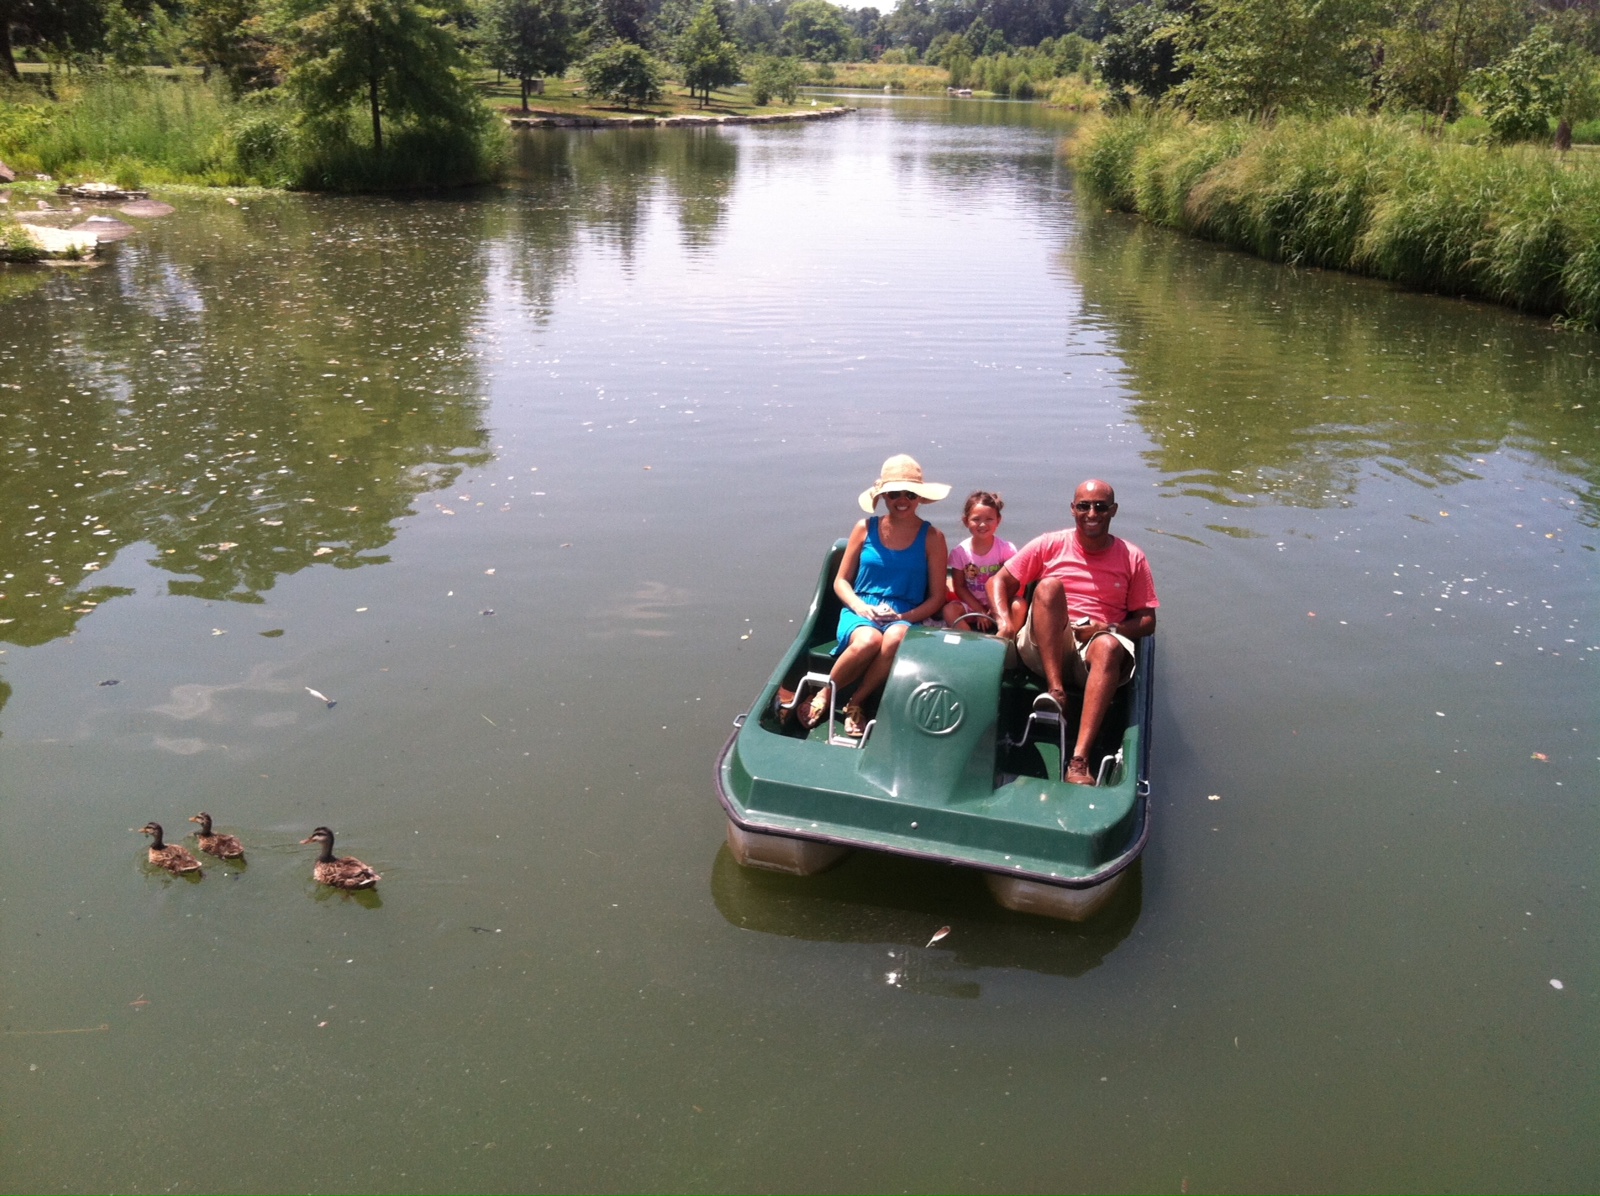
1564, 135
377, 120
524, 83
8, 63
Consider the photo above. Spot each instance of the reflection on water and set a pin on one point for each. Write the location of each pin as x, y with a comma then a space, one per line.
874, 898
236, 421
1289, 386
603, 183
655, 369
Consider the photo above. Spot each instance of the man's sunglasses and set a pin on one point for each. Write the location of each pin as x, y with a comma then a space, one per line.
1099, 508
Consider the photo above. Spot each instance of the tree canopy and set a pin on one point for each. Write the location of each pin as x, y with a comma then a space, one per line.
709, 59
817, 30
392, 55
529, 39
623, 72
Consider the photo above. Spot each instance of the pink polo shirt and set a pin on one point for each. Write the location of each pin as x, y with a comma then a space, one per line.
1103, 586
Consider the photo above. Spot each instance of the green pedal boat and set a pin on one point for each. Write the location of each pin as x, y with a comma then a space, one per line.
956, 767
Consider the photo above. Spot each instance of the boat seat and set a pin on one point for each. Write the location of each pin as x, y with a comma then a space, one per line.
819, 657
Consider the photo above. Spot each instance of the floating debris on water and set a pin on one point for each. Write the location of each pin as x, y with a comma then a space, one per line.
942, 932
321, 697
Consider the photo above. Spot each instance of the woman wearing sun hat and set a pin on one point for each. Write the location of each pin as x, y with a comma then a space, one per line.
892, 576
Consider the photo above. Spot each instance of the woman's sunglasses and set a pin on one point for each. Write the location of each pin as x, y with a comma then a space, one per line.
893, 494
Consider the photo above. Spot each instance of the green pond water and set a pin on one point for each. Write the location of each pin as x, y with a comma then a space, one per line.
533, 484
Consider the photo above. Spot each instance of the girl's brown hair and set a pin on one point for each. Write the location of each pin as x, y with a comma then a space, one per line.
982, 498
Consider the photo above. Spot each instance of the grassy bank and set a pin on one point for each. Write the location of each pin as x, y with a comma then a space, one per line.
1519, 225
875, 76
564, 97
1068, 91
147, 129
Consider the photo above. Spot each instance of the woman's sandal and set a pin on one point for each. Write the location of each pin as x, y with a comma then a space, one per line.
814, 711
1078, 771
855, 721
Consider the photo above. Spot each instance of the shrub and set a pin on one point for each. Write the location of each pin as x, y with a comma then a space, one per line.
16, 245
340, 156
623, 72
771, 76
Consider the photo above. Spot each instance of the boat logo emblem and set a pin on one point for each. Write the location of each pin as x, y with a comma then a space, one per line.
936, 709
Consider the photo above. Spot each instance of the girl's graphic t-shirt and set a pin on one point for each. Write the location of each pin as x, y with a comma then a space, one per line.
975, 571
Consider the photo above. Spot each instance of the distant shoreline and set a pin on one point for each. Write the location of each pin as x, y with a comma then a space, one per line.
542, 120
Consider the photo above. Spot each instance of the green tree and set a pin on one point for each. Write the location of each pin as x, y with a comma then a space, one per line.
1140, 53
754, 28
625, 19
63, 26
1543, 79
708, 58
395, 56
1433, 45
228, 37
623, 72
1263, 57
528, 39
817, 30
773, 76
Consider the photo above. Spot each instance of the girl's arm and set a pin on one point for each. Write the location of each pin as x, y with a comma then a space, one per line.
844, 580
938, 565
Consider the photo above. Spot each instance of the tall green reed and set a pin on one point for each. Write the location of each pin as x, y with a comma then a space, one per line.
1518, 225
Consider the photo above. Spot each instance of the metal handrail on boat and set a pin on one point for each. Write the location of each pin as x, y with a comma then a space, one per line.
1108, 764
1043, 719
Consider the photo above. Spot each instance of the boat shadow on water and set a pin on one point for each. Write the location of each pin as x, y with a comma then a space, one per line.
872, 897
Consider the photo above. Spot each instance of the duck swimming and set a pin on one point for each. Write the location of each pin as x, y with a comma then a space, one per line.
171, 856
224, 847
341, 872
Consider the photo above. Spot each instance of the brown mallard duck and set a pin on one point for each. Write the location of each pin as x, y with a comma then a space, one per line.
224, 847
342, 872
174, 857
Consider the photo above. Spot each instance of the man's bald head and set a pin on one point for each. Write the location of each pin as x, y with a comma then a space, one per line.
1094, 489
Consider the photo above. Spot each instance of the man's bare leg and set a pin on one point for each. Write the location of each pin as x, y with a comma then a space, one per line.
1051, 634
1107, 659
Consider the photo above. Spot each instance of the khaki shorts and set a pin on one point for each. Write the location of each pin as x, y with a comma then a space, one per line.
1075, 665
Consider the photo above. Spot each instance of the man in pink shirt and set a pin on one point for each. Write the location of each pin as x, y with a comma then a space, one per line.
1094, 597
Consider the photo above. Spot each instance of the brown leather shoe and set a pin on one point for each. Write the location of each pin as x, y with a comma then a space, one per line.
1078, 771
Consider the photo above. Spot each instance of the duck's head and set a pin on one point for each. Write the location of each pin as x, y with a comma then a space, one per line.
204, 820
150, 828
321, 835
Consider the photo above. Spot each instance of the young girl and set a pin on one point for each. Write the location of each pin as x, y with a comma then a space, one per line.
975, 560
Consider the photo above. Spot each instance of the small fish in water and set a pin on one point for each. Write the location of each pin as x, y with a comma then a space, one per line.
321, 697
113, 681
941, 933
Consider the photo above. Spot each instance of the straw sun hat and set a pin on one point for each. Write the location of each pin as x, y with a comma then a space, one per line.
901, 472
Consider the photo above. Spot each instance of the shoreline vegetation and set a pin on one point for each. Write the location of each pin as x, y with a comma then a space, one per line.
1373, 195
563, 103
387, 95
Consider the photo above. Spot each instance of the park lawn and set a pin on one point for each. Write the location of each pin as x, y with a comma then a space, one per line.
564, 97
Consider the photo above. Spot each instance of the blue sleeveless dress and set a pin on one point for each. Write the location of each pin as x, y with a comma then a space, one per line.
899, 578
